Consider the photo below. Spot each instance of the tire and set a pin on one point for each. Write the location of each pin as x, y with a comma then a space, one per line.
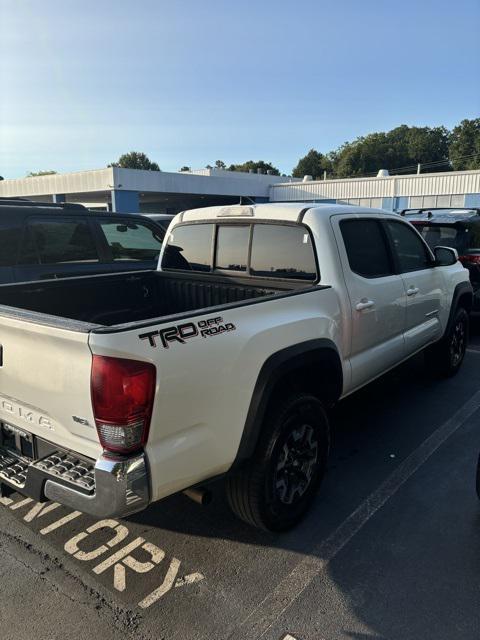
275, 489
446, 356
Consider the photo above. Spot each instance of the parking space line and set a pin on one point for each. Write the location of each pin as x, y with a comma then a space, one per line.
267, 613
473, 349
60, 523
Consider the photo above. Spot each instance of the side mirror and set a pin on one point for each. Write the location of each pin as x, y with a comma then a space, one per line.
445, 256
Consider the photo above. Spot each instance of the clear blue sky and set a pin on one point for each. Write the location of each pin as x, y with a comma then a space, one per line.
191, 82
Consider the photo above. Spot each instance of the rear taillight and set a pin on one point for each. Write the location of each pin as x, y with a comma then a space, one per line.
470, 259
122, 398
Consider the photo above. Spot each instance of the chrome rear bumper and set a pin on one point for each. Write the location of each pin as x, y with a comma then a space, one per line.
121, 488
104, 488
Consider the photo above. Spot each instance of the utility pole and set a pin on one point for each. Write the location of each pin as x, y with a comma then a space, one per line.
419, 167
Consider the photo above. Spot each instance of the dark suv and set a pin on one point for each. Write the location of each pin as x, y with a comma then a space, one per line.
45, 240
458, 228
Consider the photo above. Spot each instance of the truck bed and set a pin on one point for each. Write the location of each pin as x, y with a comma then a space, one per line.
123, 298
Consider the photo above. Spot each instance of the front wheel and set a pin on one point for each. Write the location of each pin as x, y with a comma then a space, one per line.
445, 358
276, 488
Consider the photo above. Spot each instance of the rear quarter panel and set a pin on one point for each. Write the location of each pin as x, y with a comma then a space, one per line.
204, 387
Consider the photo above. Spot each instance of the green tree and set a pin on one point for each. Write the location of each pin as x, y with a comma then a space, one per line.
254, 166
401, 148
32, 174
465, 145
185, 168
135, 160
220, 164
313, 164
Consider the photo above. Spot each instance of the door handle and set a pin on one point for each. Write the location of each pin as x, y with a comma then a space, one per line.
364, 304
412, 291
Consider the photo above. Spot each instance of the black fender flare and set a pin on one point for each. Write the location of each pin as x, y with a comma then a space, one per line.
277, 366
464, 291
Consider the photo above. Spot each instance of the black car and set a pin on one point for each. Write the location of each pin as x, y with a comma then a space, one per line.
478, 478
458, 228
161, 219
45, 240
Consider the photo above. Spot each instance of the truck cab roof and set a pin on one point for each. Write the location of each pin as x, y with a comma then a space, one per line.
288, 211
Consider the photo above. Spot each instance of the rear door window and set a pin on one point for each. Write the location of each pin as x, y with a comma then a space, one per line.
282, 251
131, 241
366, 248
189, 247
57, 242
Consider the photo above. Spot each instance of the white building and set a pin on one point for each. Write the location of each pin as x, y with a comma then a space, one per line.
128, 190
448, 189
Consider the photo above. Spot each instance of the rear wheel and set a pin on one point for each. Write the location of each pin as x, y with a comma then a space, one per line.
445, 358
277, 486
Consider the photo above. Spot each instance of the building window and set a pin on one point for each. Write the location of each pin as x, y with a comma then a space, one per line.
429, 201
376, 203
443, 201
416, 202
458, 201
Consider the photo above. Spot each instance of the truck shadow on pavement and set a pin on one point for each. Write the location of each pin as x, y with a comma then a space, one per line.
412, 570
372, 431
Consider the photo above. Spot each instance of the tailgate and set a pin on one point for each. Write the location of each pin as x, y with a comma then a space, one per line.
45, 384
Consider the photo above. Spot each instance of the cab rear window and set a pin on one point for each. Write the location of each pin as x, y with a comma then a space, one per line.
282, 251
259, 250
189, 248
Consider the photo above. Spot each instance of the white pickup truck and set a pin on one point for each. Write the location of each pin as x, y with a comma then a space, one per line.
119, 390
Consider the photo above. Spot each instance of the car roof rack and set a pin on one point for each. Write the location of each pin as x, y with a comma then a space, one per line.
24, 202
431, 210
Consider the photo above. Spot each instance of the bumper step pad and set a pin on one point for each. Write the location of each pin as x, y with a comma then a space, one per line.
60, 465
68, 468
13, 469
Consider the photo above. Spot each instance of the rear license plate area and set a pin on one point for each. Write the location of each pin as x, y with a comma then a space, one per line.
17, 441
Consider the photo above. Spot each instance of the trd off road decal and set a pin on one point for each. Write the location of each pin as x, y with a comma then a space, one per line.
183, 332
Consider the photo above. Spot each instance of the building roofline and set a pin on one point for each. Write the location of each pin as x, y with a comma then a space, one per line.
373, 178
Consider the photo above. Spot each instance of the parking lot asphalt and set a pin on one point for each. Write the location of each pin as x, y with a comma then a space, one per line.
391, 549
